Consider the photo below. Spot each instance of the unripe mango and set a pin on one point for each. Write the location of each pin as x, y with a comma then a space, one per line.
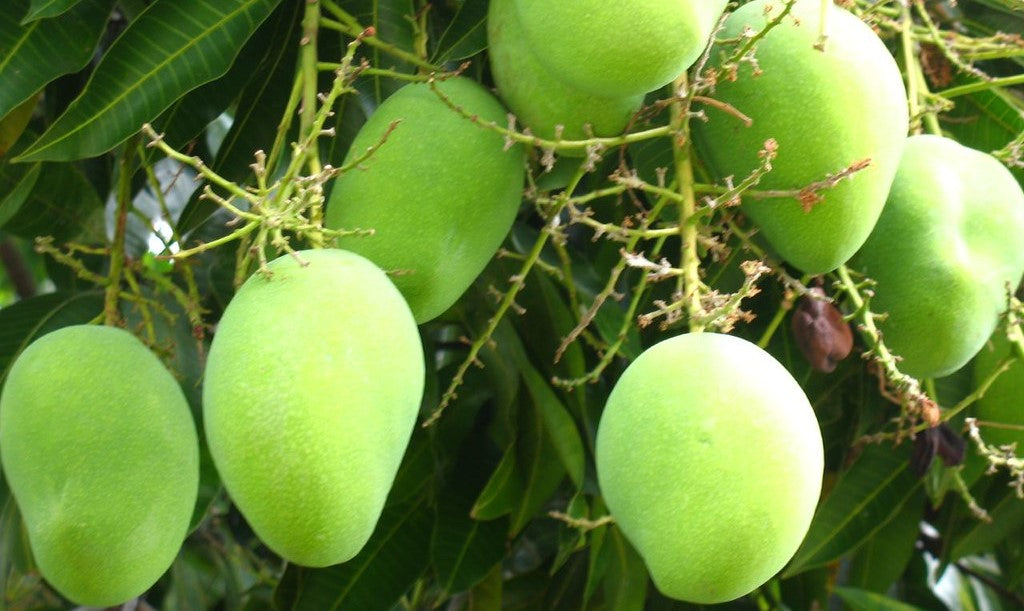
827, 110
540, 100
313, 383
440, 194
1003, 402
710, 459
616, 49
942, 253
101, 454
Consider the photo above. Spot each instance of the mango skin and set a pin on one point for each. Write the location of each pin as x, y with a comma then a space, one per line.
826, 110
540, 100
313, 383
942, 253
710, 459
101, 454
618, 49
441, 194
1003, 402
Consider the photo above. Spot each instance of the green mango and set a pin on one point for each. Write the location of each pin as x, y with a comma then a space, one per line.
618, 49
1003, 402
942, 253
440, 194
540, 100
313, 383
715, 483
826, 110
101, 453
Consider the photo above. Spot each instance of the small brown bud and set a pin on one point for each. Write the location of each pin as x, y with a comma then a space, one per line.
820, 332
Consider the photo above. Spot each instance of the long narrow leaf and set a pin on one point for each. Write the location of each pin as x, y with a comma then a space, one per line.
866, 498
173, 47
42, 9
33, 55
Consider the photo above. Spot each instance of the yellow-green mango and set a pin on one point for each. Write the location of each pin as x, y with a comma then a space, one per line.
101, 453
942, 253
313, 383
827, 110
615, 49
1003, 402
440, 194
540, 100
710, 459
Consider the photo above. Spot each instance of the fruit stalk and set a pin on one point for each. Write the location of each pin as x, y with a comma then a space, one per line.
689, 282
124, 201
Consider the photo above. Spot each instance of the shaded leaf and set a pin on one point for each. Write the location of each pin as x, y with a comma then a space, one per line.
33, 55
558, 425
60, 200
881, 560
1007, 518
255, 123
463, 550
376, 578
13, 125
393, 21
501, 491
188, 116
863, 600
29, 319
864, 500
625, 578
466, 34
171, 48
41, 9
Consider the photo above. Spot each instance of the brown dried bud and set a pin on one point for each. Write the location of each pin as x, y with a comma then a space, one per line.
820, 332
940, 441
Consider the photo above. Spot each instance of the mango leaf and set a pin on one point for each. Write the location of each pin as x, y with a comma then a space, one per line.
881, 560
171, 48
188, 116
864, 500
625, 577
13, 125
255, 122
462, 549
466, 34
31, 56
31, 318
558, 425
56, 205
863, 600
42, 9
17, 186
1007, 518
987, 121
394, 557
502, 490
393, 22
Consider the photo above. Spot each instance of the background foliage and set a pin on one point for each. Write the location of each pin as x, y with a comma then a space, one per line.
496, 504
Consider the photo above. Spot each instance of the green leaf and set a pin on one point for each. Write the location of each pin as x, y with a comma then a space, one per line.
255, 123
881, 560
466, 34
862, 600
559, 426
864, 500
503, 489
187, 117
1007, 518
26, 320
13, 125
376, 578
60, 200
17, 186
173, 47
464, 550
42, 9
393, 21
35, 54
625, 578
